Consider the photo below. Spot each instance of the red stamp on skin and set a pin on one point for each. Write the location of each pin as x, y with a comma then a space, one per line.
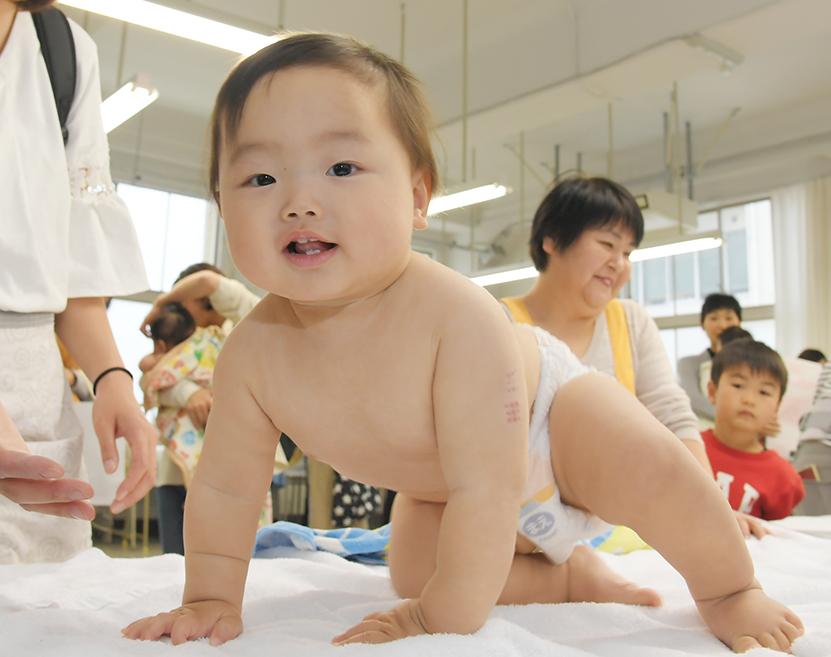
512, 412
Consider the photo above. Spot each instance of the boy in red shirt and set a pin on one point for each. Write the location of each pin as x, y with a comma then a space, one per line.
747, 382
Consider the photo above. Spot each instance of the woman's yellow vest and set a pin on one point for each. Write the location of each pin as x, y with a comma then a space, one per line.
618, 336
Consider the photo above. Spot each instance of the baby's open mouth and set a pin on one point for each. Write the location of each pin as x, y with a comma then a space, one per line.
309, 247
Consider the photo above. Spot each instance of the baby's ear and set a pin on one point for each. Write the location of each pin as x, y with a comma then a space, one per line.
422, 190
711, 392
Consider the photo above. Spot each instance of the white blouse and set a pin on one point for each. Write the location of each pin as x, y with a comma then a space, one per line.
63, 231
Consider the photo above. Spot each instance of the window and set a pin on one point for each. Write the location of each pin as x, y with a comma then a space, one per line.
125, 319
672, 289
174, 231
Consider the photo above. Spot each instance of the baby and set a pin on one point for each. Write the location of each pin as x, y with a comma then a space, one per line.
402, 373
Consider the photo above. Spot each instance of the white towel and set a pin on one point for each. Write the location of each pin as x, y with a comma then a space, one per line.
294, 606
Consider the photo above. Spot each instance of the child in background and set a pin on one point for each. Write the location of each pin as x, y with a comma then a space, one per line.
719, 311
404, 374
747, 382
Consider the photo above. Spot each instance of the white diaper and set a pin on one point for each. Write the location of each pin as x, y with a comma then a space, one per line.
555, 528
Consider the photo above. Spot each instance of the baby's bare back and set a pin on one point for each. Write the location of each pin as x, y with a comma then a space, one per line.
355, 387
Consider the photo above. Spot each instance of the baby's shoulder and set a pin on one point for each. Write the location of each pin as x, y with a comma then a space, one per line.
446, 293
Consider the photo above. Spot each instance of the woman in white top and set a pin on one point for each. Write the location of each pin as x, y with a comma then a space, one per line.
582, 235
66, 241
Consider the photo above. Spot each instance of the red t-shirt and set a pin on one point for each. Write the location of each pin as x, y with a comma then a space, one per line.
763, 485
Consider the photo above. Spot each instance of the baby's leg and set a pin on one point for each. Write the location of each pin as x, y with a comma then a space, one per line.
613, 458
533, 578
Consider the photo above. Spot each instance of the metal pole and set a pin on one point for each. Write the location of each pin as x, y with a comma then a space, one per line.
610, 157
464, 89
690, 172
522, 176
667, 155
556, 162
403, 31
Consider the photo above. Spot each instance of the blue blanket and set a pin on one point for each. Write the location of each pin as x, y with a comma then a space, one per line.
363, 545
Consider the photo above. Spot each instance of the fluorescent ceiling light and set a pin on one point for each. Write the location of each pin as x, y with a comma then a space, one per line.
466, 197
178, 23
505, 276
675, 248
127, 101
649, 253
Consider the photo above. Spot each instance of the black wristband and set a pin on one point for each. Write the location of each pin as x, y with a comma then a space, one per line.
107, 371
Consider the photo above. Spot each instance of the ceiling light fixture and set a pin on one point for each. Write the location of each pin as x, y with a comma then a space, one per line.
505, 276
675, 248
128, 101
728, 57
466, 197
639, 255
178, 23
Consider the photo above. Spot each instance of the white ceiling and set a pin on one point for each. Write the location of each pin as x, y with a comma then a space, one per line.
545, 69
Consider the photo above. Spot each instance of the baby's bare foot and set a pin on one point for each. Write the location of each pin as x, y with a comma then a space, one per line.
591, 580
750, 619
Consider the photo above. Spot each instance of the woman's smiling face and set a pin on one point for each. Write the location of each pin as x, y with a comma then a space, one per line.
596, 265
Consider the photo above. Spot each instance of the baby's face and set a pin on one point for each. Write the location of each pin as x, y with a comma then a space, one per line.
317, 192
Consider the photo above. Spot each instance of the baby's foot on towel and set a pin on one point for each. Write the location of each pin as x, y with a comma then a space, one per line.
750, 619
591, 580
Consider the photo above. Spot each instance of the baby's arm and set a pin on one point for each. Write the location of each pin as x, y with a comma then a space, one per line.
222, 508
481, 419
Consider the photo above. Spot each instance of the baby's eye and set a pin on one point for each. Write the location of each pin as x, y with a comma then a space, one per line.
261, 180
341, 169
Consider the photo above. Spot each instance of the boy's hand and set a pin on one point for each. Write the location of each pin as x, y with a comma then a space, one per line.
217, 620
772, 428
402, 621
751, 525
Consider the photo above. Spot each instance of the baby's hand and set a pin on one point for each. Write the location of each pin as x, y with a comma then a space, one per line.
217, 620
405, 620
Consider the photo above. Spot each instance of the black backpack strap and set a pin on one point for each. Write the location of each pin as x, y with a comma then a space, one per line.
58, 49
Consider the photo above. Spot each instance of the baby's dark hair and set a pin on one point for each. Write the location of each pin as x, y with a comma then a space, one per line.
174, 325
756, 355
719, 301
406, 104
814, 355
733, 333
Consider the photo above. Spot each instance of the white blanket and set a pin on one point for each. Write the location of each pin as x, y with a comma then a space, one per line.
294, 606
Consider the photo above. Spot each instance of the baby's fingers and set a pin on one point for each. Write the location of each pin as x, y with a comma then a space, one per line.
370, 630
225, 629
151, 628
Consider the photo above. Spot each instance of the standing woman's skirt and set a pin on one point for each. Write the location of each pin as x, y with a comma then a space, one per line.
35, 394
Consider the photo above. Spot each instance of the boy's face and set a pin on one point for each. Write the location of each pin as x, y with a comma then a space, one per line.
317, 192
745, 401
718, 320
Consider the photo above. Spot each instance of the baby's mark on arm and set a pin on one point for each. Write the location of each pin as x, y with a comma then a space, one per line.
512, 408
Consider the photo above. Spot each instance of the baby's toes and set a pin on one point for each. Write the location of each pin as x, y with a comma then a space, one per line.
792, 631
745, 643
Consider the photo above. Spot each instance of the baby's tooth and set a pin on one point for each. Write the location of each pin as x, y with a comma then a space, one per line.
313, 252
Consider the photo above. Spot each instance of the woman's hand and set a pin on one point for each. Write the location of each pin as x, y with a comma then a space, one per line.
36, 483
199, 406
152, 316
215, 619
115, 414
402, 621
